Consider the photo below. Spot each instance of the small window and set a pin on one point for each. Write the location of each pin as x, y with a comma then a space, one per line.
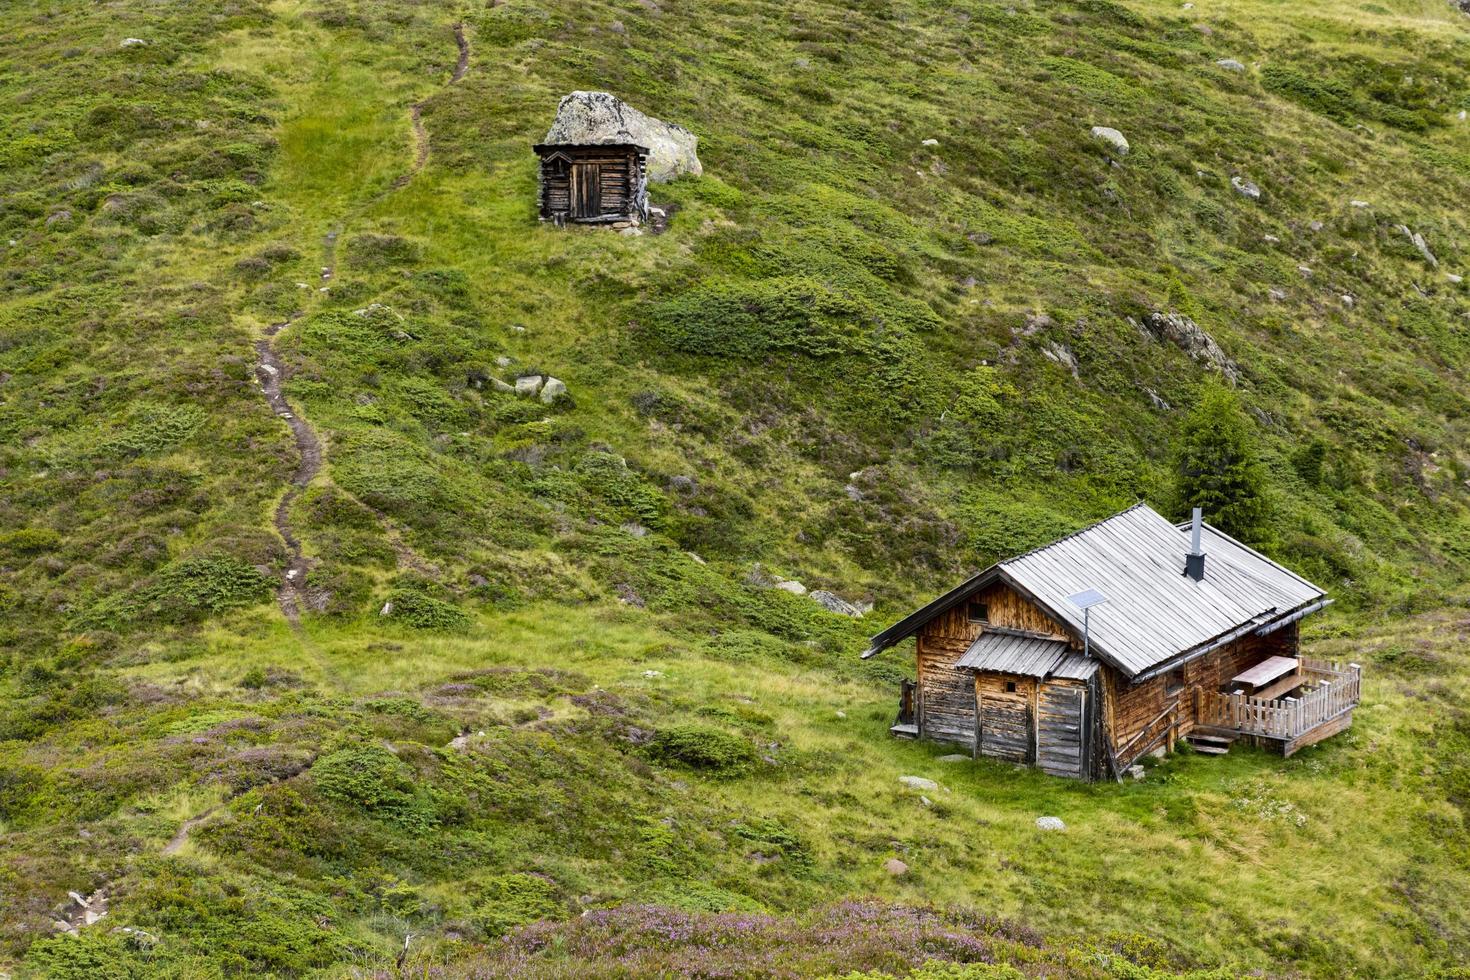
979, 612
1010, 687
1175, 681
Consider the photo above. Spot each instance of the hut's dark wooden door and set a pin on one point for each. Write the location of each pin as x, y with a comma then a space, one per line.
586, 190
1062, 730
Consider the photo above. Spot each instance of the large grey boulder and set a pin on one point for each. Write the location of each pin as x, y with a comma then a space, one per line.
918, 782
834, 603
1192, 339
1112, 137
601, 117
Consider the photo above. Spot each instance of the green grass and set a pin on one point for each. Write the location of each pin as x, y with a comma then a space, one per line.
836, 349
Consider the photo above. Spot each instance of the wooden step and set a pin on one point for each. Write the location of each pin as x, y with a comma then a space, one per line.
1211, 749
1221, 741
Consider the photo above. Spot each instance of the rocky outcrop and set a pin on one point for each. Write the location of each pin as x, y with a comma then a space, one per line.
1417, 240
601, 117
1189, 337
832, 602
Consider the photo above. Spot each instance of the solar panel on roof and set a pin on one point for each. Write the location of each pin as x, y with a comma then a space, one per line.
1087, 598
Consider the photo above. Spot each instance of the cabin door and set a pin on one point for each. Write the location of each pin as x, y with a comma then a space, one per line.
1005, 729
586, 190
1060, 730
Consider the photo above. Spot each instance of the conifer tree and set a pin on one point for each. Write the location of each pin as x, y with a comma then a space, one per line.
1219, 469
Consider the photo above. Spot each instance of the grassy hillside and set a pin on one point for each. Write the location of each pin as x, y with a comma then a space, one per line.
531, 668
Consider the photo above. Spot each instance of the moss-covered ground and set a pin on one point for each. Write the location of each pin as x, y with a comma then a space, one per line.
538, 674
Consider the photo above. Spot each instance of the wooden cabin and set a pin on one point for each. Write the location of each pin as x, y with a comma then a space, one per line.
1083, 656
593, 183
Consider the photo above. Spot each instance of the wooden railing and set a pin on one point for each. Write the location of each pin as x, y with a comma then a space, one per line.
1335, 689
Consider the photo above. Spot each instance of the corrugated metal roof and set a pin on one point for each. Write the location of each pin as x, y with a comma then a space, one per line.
1075, 667
1009, 652
1154, 611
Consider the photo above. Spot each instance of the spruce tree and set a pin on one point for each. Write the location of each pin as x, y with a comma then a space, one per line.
1219, 469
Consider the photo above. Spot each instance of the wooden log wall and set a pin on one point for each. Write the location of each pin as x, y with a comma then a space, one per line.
946, 696
1004, 607
619, 174
1133, 709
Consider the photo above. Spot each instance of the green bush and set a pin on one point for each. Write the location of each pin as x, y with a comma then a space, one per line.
708, 750
422, 612
506, 902
29, 541
375, 782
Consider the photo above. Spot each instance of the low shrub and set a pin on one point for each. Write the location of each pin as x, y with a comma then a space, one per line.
707, 750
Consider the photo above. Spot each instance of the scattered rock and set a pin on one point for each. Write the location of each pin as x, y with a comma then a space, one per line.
1420, 244
631, 231
387, 609
636, 529
502, 361
501, 386
601, 117
1277, 295
629, 596
529, 385
1050, 823
552, 390
1035, 323
1454, 278
929, 142
1348, 301
792, 586
918, 782
841, 713
1246, 188
1359, 204
1305, 270
132, 42
834, 603
1315, 225
957, 757
1061, 354
58, 217
1112, 137
1137, 772
1198, 345
895, 867
1230, 64
651, 674
1157, 401
684, 486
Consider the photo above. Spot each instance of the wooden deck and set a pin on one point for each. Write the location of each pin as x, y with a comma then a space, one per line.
1329, 692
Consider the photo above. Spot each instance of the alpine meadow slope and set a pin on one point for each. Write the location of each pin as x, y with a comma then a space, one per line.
490, 663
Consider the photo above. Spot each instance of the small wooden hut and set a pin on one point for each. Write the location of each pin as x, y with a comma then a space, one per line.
593, 183
1190, 634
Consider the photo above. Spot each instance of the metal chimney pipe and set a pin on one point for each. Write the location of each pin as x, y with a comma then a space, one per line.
1194, 562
